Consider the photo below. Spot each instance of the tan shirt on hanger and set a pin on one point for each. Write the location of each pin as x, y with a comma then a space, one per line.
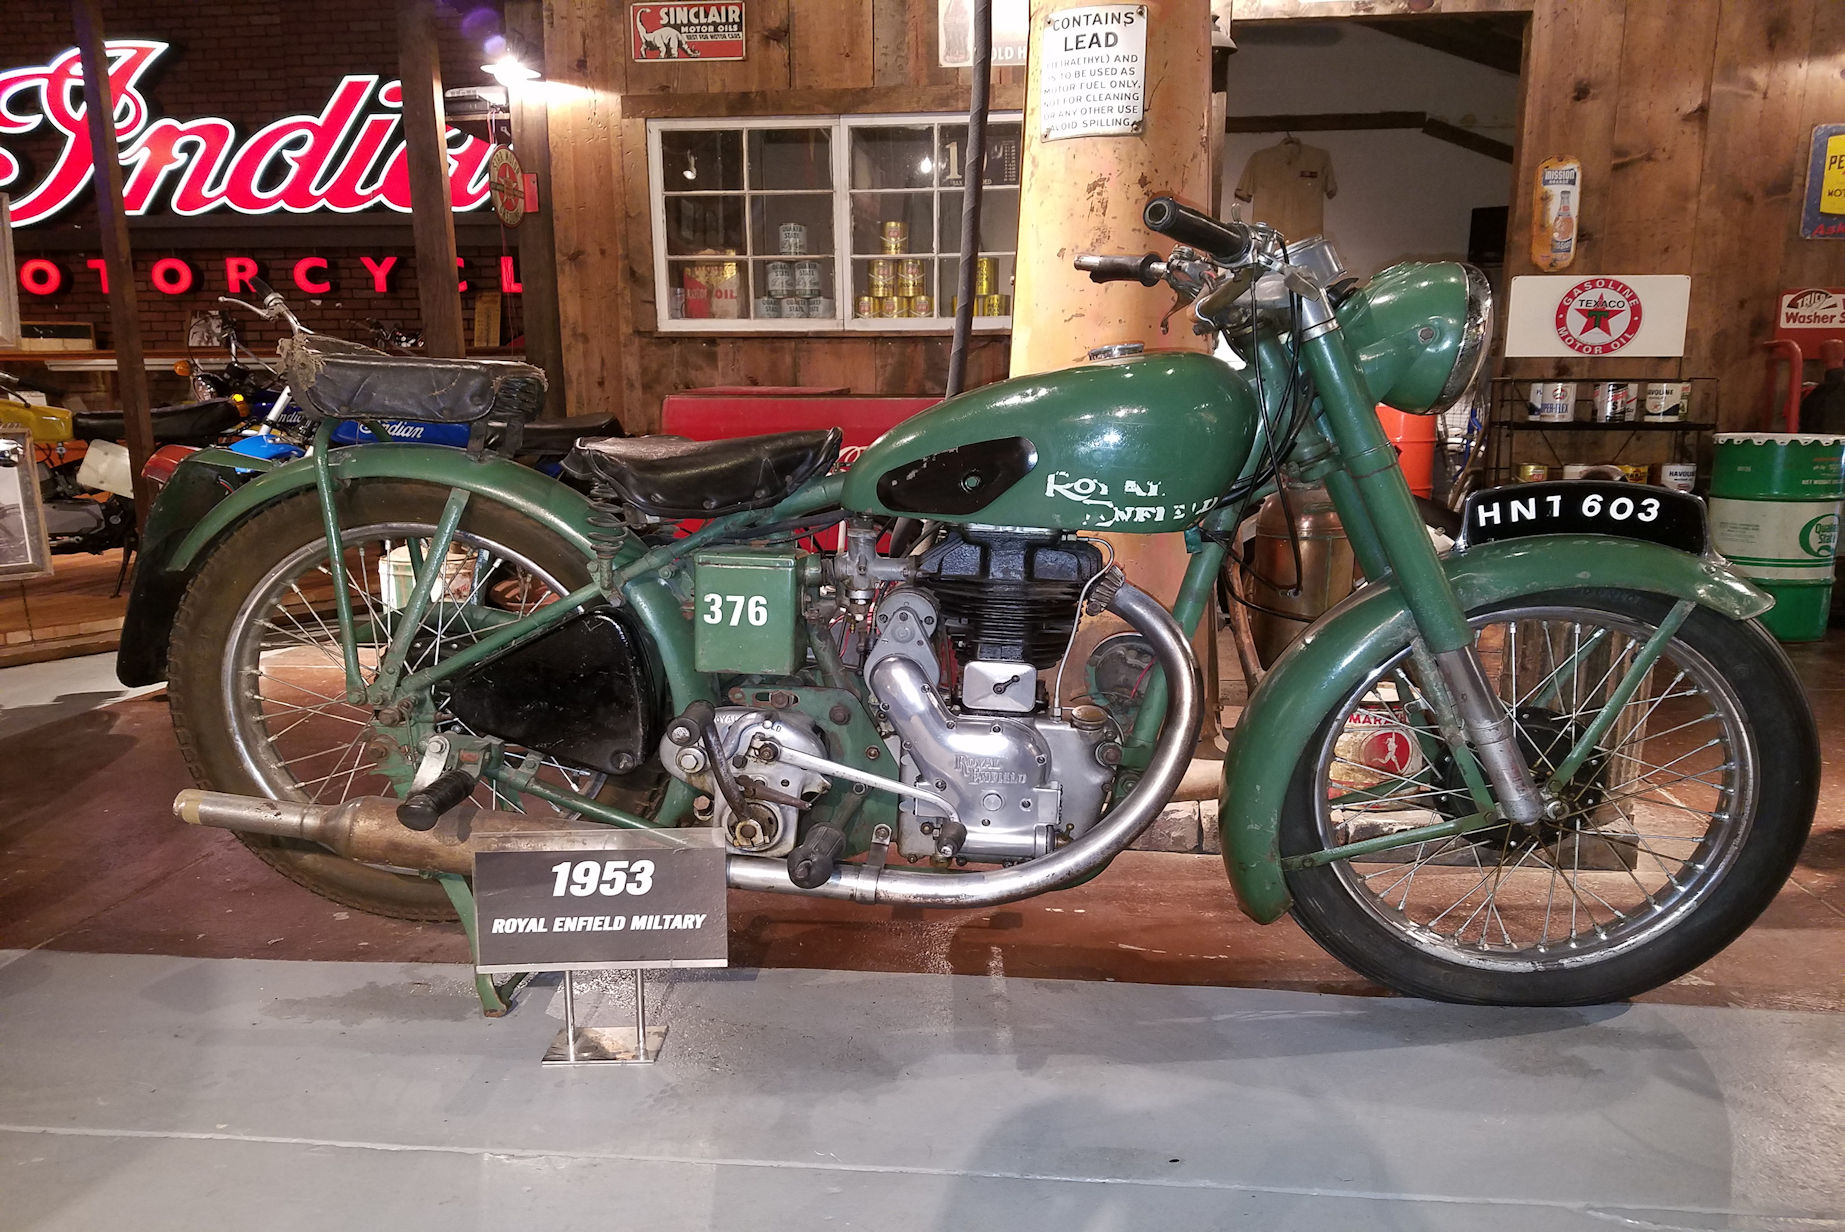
1286, 186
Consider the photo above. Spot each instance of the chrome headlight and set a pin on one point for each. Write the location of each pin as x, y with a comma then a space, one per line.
1476, 332
1419, 332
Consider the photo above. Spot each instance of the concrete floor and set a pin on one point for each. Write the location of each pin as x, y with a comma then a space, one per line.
39, 693
175, 1093
1129, 1054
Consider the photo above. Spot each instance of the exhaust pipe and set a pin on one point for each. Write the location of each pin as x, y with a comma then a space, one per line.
1184, 710
367, 829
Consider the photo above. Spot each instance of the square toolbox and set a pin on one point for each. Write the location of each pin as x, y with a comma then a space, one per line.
746, 613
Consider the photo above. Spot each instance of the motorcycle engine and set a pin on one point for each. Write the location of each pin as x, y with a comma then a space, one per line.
1020, 781
772, 795
997, 778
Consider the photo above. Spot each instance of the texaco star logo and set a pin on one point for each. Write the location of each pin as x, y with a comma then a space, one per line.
1598, 316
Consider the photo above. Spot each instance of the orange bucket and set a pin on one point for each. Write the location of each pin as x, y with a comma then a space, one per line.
1414, 437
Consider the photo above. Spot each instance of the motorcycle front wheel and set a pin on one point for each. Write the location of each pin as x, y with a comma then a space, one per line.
257, 677
1682, 823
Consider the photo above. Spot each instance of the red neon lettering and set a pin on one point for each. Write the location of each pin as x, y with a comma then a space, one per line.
172, 276
40, 277
380, 272
461, 284
237, 273
509, 278
102, 272
159, 152
340, 159
59, 87
309, 264
352, 185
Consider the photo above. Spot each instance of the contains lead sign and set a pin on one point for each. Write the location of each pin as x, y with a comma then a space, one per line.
1093, 82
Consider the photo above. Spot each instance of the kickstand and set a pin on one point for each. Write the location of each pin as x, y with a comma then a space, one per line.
128, 554
495, 998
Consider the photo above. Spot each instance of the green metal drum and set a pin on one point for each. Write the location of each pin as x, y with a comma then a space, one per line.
1774, 512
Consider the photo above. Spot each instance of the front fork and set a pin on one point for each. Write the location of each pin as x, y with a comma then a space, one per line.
1388, 537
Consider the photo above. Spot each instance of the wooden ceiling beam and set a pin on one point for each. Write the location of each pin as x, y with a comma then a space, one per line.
1495, 42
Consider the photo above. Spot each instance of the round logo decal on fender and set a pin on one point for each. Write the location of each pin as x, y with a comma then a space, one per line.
1598, 316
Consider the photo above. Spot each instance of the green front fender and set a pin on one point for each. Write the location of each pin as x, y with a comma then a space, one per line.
1337, 653
560, 509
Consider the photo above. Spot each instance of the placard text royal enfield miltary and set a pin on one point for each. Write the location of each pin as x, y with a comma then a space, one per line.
576, 901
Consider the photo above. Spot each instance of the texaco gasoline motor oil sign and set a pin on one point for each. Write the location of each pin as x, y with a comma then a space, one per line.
1598, 315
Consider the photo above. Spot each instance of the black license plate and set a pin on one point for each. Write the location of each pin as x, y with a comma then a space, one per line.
1586, 507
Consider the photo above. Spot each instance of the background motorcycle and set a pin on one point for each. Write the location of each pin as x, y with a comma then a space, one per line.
82, 466
283, 428
1561, 764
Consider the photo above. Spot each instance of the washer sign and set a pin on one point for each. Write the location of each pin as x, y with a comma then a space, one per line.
506, 185
1598, 316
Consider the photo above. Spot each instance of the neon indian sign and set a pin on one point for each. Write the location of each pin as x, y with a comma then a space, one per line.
349, 157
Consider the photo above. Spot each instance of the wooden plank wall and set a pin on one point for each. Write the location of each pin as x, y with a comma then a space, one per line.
805, 57
1692, 119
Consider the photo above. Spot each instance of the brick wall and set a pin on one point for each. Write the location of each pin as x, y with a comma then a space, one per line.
250, 62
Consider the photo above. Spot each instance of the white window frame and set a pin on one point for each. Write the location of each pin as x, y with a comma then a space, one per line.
843, 321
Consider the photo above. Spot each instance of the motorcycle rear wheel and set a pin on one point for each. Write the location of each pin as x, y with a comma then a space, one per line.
1682, 826
256, 676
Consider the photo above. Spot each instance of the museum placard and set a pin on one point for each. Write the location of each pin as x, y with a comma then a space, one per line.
589, 900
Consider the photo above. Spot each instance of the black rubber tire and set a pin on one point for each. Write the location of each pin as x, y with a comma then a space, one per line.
1787, 756
201, 634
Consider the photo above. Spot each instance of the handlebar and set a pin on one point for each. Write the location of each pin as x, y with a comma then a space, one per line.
1148, 271
1227, 241
273, 305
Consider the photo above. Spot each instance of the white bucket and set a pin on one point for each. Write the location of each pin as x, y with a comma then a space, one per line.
397, 577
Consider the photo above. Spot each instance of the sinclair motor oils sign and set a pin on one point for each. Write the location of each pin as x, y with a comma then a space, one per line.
686, 31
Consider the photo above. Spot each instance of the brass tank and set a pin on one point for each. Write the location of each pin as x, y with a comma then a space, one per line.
1277, 602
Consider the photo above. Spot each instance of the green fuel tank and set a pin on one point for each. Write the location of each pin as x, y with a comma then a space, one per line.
1142, 444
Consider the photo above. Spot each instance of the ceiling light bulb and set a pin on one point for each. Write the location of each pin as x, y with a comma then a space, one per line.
507, 69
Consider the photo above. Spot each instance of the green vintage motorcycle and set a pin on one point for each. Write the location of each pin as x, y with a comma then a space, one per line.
1561, 764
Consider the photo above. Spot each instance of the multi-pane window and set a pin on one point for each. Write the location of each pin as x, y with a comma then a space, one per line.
841, 223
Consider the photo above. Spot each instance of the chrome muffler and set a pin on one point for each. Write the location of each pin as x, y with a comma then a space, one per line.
366, 828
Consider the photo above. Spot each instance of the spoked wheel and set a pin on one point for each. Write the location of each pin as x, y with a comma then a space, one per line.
258, 678
1681, 822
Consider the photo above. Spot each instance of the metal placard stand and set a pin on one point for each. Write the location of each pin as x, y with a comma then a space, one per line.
639, 1044
619, 900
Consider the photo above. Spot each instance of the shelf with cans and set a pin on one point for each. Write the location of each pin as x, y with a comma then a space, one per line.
848, 223
1647, 431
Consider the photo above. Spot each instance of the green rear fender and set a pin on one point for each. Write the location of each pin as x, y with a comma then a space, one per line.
560, 509
557, 507
1336, 654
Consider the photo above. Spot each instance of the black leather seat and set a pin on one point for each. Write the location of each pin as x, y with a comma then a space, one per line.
672, 477
559, 436
348, 381
194, 423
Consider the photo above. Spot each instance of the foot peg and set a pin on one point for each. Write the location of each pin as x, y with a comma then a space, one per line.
422, 809
811, 864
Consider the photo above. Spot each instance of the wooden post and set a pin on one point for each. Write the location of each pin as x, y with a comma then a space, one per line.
1085, 194
112, 220
531, 130
432, 217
